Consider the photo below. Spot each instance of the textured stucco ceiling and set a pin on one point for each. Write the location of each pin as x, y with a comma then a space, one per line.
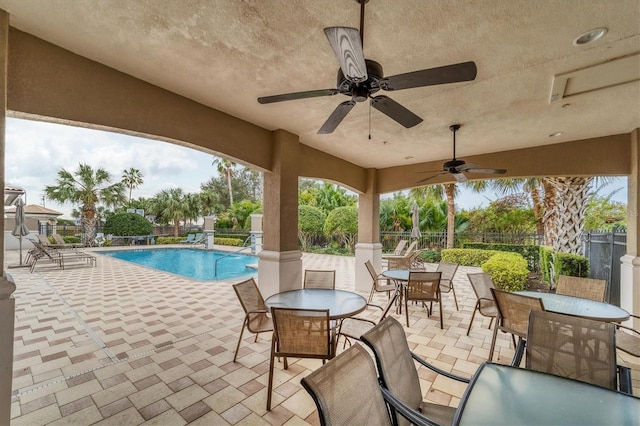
227, 53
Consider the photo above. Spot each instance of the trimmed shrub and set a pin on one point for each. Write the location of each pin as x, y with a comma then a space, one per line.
168, 240
573, 265
72, 239
430, 256
530, 252
126, 224
507, 270
467, 257
342, 223
310, 224
228, 241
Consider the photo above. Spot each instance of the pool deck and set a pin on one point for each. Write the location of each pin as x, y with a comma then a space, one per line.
124, 344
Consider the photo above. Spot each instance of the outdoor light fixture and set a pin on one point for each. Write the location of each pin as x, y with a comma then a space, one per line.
555, 134
590, 36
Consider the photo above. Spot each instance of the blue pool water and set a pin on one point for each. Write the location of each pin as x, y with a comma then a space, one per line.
191, 263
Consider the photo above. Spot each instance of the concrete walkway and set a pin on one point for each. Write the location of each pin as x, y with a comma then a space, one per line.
124, 344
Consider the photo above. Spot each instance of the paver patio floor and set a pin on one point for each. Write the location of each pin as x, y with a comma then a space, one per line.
124, 344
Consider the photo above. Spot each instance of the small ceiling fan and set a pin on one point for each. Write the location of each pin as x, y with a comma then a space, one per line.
457, 167
360, 78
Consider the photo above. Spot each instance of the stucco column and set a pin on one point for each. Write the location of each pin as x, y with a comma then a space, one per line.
280, 264
630, 268
368, 247
7, 303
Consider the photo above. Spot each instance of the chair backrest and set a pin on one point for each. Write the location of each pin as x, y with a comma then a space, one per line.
586, 288
305, 333
372, 271
319, 279
423, 285
43, 240
401, 245
410, 248
253, 304
346, 390
574, 347
513, 311
482, 284
448, 270
397, 371
58, 239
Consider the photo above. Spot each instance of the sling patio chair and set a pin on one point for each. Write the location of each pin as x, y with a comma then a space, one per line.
448, 271
398, 250
198, 239
354, 327
300, 333
513, 317
486, 306
379, 282
256, 318
323, 279
586, 288
628, 338
576, 348
61, 243
57, 257
346, 392
410, 248
398, 373
190, 238
423, 287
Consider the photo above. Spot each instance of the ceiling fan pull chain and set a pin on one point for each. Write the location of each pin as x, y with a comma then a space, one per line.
369, 120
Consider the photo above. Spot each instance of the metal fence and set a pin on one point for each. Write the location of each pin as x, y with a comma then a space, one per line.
438, 240
604, 250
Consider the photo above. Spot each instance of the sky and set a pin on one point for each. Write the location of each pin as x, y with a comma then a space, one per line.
35, 151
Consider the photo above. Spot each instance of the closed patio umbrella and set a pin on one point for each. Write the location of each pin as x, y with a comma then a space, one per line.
21, 229
415, 222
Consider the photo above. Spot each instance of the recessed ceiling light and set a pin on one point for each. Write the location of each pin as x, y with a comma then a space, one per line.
555, 134
408, 157
590, 36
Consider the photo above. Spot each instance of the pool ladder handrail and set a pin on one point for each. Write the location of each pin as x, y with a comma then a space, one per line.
215, 264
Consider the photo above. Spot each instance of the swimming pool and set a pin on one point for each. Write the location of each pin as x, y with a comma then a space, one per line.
191, 263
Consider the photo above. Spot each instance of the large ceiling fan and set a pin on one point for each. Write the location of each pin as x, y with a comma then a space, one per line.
360, 78
458, 167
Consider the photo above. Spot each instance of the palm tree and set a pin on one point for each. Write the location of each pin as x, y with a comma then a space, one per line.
132, 178
171, 206
448, 190
225, 167
86, 187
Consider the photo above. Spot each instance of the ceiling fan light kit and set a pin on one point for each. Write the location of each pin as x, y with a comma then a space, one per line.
360, 78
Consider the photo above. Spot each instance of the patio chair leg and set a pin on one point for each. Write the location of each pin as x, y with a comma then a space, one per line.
270, 384
493, 342
240, 339
455, 299
472, 316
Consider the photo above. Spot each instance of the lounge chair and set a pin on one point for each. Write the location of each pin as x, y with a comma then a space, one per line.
398, 250
57, 257
402, 254
61, 243
198, 239
190, 238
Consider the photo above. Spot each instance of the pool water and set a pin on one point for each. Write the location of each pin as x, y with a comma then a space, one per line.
191, 263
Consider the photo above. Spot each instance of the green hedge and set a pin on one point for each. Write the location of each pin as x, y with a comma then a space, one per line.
467, 257
530, 252
169, 240
241, 237
228, 241
508, 271
546, 258
72, 239
563, 264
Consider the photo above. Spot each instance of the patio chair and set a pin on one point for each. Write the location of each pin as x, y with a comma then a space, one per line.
448, 271
409, 261
190, 238
198, 239
57, 257
577, 348
319, 279
586, 288
628, 339
61, 243
256, 319
378, 280
398, 250
410, 248
354, 327
346, 392
513, 317
398, 373
423, 287
486, 306
300, 333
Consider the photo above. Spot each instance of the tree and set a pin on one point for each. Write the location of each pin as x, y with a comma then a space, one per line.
86, 187
132, 178
170, 206
310, 224
342, 223
603, 214
246, 185
128, 224
436, 191
572, 194
326, 197
225, 168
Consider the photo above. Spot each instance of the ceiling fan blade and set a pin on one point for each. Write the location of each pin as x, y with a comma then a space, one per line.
460, 177
464, 71
298, 95
395, 111
347, 47
336, 117
487, 171
431, 177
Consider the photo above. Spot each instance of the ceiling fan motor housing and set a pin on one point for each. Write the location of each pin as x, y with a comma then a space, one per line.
452, 166
361, 91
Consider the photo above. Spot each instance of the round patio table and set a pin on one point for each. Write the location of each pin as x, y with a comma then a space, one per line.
341, 303
579, 307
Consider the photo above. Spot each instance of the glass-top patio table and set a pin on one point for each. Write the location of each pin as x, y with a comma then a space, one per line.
580, 307
341, 303
504, 395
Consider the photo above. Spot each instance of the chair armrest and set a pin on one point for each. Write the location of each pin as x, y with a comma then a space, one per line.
414, 417
439, 370
258, 311
517, 357
624, 379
